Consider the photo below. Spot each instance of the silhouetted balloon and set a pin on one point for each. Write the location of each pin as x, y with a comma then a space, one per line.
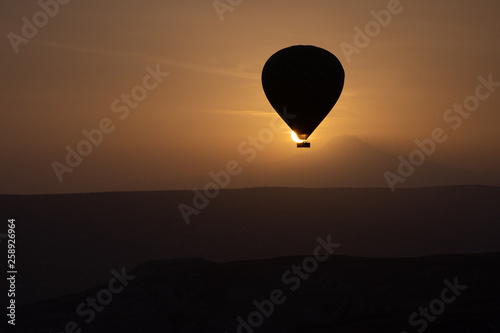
303, 83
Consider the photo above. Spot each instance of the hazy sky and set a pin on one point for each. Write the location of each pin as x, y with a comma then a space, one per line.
70, 76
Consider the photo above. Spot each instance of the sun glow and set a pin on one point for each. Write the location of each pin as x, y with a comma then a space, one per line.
296, 138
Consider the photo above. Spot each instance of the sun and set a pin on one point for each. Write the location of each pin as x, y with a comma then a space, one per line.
295, 137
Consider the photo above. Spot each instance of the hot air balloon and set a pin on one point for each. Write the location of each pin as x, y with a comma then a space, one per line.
303, 83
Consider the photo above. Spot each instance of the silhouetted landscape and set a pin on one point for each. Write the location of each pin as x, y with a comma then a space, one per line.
245, 239
345, 294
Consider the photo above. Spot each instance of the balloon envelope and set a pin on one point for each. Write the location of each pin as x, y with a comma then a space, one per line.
303, 83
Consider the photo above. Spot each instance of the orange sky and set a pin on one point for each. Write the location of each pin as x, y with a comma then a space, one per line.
64, 80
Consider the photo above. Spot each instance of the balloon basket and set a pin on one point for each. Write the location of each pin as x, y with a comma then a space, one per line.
303, 144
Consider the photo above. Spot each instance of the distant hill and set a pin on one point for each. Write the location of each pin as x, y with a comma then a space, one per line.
344, 294
70, 242
347, 161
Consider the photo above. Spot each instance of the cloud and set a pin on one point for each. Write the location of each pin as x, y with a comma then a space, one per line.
233, 72
241, 112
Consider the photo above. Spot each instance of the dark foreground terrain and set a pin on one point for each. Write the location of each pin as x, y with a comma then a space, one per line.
125, 243
448, 293
71, 242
